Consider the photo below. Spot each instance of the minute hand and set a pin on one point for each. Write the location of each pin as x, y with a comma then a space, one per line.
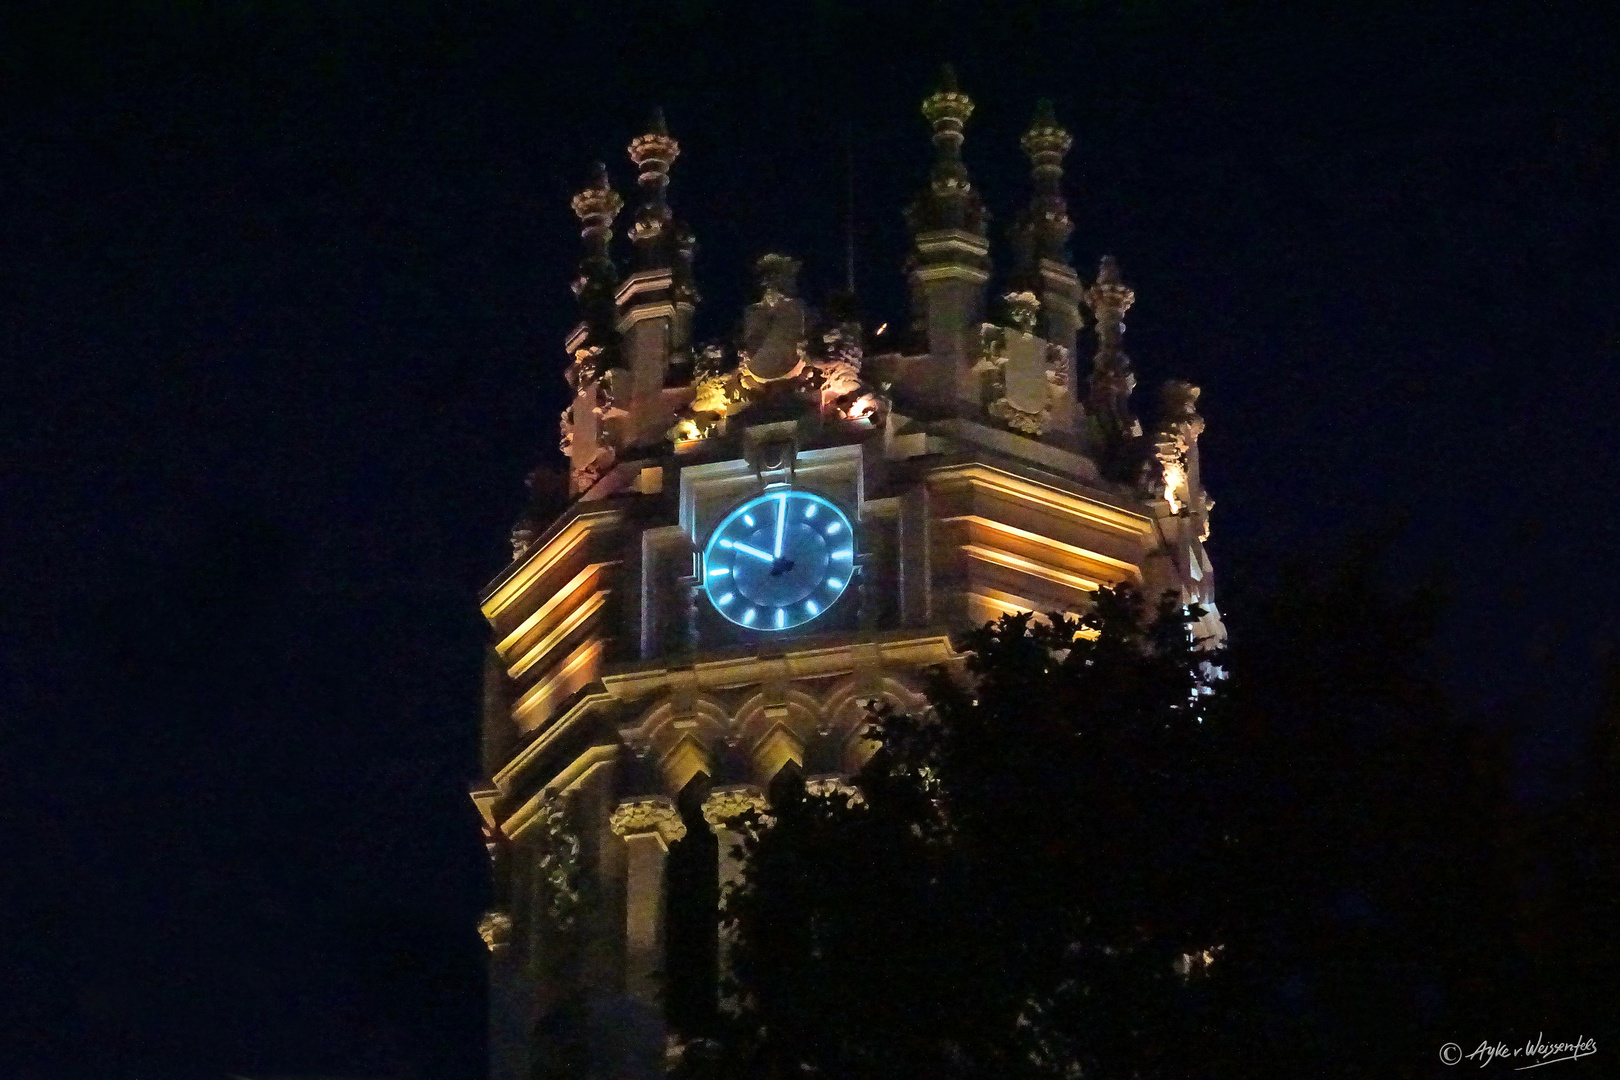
754, 551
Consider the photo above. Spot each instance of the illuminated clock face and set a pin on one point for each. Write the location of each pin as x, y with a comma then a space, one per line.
779, 560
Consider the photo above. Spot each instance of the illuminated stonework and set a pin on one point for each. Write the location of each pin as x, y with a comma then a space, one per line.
656, 815
940, 476
496, 930
1025, 376
725, 805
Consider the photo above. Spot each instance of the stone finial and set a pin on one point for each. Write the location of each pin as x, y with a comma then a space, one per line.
947, 111
951, 201
655, 151
948, 108
1047, 219
1045, 134
778, 275
596, 205
655, 814
1112, 379
653, 154
1023, 309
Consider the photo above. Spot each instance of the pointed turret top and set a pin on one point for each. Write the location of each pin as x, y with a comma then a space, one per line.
949, 105
1045, 226
597, 199
656, 148
653, 154
950, 201
596, 205
1046, 135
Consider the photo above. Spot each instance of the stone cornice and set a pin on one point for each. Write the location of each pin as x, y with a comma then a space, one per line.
574, 525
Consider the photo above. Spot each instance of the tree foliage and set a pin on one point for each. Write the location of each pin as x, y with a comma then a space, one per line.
1017, 879
1105, 851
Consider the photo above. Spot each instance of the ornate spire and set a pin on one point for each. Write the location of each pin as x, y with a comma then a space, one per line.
1045, 225
596, 205
1111, 377
653, 154
950, 201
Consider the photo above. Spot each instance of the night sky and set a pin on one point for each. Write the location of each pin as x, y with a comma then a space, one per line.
282, 294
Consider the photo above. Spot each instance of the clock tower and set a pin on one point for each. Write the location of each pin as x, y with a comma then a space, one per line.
763, 536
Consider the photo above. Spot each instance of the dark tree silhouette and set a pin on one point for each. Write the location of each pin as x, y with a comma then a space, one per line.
1031, 879
1104, 851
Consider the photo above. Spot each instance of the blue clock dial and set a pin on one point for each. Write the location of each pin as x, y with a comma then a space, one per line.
779, 560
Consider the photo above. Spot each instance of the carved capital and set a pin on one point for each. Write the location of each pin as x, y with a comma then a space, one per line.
654, 814
834, 785
727, 803
496, 930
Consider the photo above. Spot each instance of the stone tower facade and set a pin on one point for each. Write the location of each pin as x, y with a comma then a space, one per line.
762, 536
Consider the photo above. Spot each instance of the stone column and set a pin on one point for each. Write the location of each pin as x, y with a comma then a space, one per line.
720, 810
510, 1001
649, 826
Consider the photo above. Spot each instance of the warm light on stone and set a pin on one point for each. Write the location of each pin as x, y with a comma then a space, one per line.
763, 535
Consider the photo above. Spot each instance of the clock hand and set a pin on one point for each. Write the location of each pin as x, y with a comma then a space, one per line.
755, 552
781, 519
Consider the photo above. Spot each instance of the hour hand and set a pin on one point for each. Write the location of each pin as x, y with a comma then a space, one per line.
755, 552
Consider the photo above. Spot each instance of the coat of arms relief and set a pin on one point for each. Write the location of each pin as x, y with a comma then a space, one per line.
1023, 375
